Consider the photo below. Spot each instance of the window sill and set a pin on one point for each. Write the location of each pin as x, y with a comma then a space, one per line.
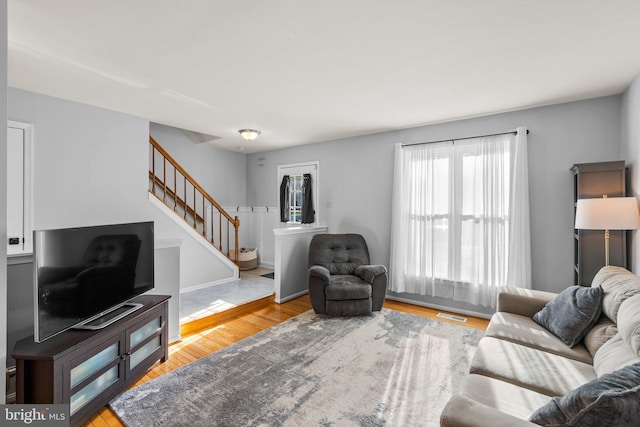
299, 229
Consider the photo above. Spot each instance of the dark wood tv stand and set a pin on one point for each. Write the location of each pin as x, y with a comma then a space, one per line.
85, 368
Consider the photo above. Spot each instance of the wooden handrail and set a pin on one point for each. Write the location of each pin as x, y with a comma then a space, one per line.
189, 178
198, 192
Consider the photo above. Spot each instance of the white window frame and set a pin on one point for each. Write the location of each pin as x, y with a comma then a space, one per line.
299, 169
27, 213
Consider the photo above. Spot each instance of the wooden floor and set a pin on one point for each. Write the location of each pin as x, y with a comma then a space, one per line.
227, 331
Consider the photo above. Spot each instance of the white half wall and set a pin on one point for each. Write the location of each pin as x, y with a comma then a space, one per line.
291, 278
200, 263
167, 268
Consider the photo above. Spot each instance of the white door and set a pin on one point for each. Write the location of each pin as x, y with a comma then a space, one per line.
18, 188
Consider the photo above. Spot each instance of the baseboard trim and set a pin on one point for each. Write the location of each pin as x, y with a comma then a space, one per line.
290, 297
440, 307
208, 284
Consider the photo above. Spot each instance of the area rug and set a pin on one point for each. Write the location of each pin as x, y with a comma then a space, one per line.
388, 369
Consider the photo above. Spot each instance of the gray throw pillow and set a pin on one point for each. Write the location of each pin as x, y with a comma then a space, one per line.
610, 400
572, 313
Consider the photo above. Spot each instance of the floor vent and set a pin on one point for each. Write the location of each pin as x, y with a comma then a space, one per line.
452, 317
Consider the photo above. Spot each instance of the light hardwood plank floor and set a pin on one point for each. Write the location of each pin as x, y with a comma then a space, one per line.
229, 331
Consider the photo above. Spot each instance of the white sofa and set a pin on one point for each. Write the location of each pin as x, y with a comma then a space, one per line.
520, 366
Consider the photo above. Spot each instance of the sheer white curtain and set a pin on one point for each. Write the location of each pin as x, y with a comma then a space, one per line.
460, 218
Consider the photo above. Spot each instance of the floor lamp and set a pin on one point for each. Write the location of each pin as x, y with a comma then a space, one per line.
607, 213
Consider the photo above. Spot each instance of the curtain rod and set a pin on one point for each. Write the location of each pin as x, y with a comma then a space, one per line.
514, 132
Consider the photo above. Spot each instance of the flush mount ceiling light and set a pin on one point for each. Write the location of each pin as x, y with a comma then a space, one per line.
249, 134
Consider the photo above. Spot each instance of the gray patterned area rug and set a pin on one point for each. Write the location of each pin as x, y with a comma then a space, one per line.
388, 369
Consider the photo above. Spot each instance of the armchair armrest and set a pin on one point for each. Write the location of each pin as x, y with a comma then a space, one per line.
464, 412
525, 302
320, 272
370, 272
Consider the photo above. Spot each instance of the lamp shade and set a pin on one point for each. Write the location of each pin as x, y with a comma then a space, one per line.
608, 213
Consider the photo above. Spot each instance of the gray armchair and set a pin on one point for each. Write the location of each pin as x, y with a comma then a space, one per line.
341, 281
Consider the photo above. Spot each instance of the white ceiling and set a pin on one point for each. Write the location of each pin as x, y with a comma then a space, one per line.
304, 71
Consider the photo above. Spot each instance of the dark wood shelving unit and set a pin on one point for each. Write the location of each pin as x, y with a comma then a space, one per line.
593, 180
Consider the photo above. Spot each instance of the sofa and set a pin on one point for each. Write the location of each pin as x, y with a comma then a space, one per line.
522, 374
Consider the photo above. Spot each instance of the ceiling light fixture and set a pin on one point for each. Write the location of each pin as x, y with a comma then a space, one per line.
249, 134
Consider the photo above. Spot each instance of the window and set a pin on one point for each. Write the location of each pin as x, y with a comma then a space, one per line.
295, 198
459, 216
298, 193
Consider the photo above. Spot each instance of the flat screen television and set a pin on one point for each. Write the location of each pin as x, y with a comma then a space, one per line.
84, 277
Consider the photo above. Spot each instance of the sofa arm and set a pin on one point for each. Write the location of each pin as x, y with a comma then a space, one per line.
368, 273
525, 302
318, 280
464, 412
376, 275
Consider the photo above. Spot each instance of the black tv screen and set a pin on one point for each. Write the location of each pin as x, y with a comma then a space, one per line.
81, 273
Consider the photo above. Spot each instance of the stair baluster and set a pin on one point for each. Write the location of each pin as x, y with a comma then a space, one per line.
198, 221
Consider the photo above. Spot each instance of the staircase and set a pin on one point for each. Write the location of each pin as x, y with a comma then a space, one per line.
174, 187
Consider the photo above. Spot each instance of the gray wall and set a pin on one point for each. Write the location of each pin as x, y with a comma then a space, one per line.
90, 167
631, 153
82, 176
222, 173
89, 164
356, 177
3, 194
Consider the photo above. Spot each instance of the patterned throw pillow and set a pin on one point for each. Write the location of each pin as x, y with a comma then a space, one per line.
572, 313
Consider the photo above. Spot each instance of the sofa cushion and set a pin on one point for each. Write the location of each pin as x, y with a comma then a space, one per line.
505, 397
614, 396
540, 371
346, 287
523, 330
613, 355
629, 322
572, 313
602, 332
339, 253
465, 412
618, 284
